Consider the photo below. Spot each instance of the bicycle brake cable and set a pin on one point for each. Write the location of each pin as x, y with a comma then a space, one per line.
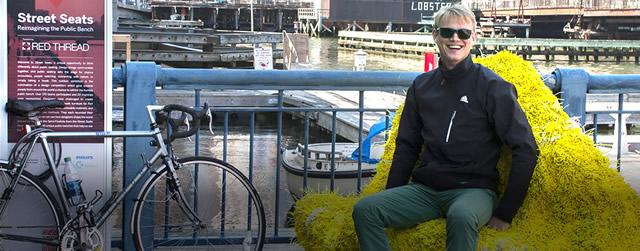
210, 116
186, 122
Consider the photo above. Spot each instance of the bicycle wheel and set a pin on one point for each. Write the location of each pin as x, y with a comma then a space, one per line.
226, 203
31, 214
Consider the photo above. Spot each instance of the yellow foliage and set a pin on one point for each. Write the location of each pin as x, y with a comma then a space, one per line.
575, 200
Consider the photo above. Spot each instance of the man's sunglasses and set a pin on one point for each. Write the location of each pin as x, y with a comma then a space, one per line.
463, 34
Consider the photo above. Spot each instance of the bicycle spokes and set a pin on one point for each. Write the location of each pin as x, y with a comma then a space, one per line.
223, 203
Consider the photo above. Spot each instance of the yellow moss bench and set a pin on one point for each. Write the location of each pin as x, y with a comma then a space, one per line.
575, 201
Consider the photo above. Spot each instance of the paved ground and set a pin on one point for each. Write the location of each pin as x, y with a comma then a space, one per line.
268, 247
630, 169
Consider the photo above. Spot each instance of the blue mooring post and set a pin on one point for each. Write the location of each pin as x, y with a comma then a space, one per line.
573, 87
575, 83
139, 91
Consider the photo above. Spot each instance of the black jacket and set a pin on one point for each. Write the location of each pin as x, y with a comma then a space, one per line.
462, 117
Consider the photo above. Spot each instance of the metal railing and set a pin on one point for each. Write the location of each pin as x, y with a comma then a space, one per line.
140, 81
541, 4
574, 84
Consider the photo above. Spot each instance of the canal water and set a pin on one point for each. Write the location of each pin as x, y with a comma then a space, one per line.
324, 55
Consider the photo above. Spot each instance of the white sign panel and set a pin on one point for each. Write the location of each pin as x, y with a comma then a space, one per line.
262, 59
60, 49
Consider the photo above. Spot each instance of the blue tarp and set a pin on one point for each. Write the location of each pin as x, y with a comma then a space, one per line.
380, 126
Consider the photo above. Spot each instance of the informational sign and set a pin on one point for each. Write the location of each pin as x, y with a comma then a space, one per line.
57, 51
424, 10
359, 60
263, 58
60, 49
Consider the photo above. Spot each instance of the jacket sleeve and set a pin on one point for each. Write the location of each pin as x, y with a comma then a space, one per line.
513, 129
408, 142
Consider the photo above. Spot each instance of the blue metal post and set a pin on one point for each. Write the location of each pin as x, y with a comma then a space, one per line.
223, 197
305, 151
252, 131
573, 86
197, 167
360, 130
620, 125
278, 162
595, 127
139, 91
334, 128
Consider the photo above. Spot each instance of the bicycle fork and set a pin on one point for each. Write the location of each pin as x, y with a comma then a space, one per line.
176, 189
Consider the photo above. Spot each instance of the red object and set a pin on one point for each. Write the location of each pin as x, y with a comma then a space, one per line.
429, 61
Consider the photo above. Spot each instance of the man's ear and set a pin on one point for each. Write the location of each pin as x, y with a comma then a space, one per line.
434, 33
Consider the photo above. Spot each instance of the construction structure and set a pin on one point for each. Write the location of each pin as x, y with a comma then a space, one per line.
203, 33
581, 19
255, 15
578, 19
380, 15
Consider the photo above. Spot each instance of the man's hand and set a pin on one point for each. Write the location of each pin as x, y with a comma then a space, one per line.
498, 224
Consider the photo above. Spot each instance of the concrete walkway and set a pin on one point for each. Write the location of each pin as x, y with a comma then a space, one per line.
267, 247
629, 169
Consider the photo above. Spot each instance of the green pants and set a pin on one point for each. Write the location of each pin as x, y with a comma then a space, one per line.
465, 210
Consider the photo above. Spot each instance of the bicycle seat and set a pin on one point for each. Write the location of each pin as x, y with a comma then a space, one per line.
24, 107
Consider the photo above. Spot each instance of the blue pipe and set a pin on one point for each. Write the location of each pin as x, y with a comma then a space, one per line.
614, 83
171, 78
573, 84
596, 83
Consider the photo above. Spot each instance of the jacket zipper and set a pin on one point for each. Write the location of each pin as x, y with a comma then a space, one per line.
453, 116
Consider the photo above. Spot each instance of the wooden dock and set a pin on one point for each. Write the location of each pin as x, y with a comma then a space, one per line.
415, 44
200, 49
213, 14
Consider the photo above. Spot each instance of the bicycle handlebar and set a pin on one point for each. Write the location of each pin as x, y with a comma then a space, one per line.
176, 123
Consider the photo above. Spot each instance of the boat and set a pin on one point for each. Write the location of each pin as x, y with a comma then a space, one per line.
319, 168
344, 170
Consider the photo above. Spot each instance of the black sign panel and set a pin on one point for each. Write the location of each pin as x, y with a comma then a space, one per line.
382, 11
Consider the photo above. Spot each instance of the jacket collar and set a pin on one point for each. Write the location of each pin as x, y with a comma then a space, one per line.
458, 71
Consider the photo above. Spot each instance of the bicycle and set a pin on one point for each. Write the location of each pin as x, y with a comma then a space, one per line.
170, 209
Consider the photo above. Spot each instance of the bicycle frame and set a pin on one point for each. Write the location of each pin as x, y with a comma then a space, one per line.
161, 153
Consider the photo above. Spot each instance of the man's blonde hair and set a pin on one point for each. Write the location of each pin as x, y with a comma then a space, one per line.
456, 10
